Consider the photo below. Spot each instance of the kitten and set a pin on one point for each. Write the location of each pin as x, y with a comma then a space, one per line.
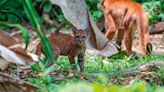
67, 45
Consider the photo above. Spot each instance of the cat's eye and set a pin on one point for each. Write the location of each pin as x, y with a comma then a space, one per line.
77, 36
83, 36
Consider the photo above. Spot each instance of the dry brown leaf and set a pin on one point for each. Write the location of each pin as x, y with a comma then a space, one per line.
144, 74
83, 78
9, 84
124, 81
6, 39
9, 42
11, 52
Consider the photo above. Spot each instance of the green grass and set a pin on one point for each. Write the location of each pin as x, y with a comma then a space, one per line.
95, 64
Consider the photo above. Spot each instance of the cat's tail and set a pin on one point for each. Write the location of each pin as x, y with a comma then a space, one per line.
57, 31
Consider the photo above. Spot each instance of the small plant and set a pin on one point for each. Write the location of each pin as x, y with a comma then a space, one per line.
95, 9
155, 10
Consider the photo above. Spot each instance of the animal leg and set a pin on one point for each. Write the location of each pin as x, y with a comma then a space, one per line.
120, 36
56, 51
111, 27
81, 62
129, 33
72, 62
144, 37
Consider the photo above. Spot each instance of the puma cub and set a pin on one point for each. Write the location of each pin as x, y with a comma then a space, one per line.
67, 45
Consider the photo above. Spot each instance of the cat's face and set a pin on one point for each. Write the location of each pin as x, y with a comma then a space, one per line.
80, 36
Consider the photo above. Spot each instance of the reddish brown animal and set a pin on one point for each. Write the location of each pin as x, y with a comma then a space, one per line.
67, 45
125, 16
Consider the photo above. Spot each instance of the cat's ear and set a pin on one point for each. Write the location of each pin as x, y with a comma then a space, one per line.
74, 30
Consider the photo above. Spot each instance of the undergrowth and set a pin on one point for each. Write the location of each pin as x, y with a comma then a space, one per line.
98, 65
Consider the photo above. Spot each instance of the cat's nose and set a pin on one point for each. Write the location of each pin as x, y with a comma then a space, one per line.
80, 42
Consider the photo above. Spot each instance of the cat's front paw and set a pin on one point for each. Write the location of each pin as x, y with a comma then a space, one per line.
81, 64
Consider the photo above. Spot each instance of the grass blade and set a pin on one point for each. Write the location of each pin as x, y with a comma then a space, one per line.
36, 23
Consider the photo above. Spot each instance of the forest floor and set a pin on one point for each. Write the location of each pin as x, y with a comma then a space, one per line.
107, 71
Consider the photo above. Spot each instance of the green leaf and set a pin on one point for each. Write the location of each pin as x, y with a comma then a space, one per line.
161, 16
49, 69
36, 23
47, 7
3, 3
35, 67
102, 79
